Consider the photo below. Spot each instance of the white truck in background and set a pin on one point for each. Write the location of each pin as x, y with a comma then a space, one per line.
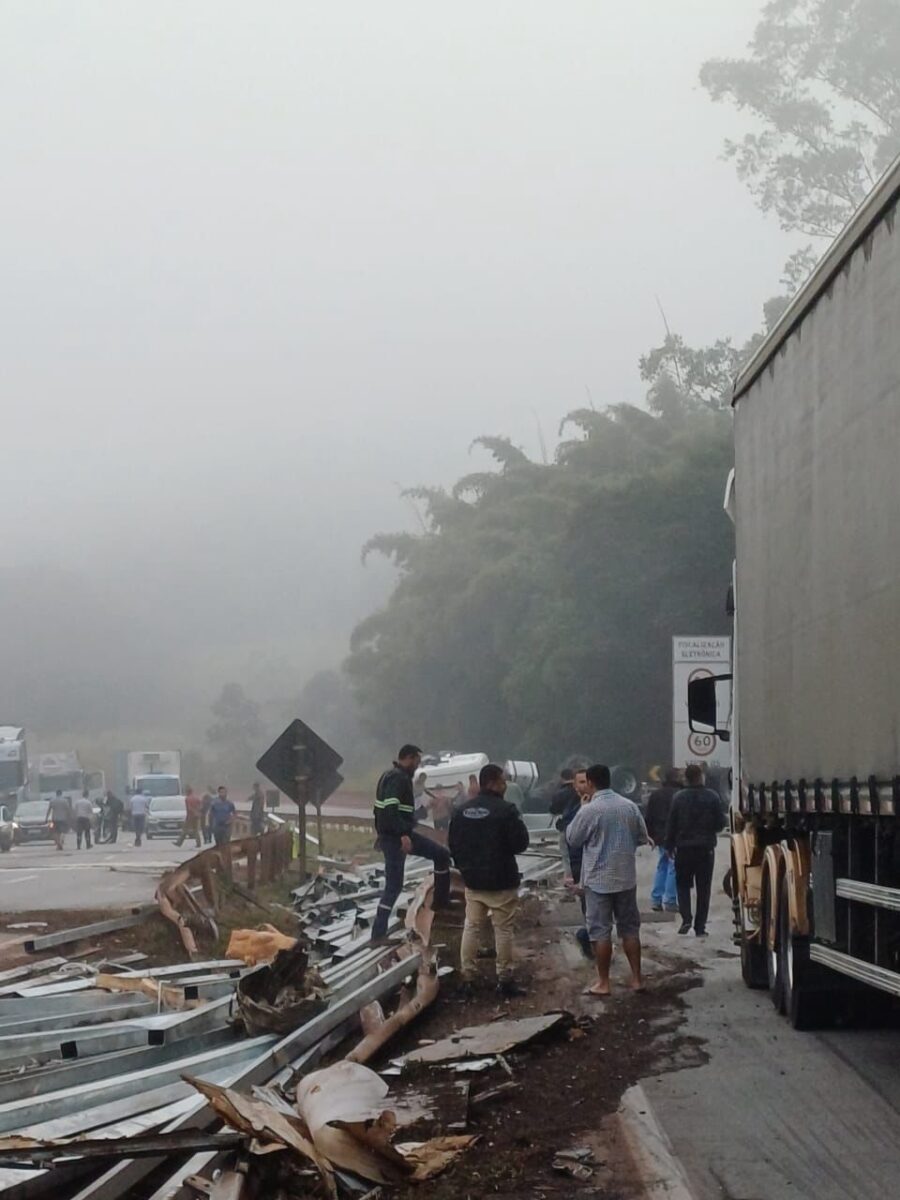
154, 772
61, 770
13, 766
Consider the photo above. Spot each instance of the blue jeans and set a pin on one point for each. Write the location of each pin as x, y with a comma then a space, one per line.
664, 891
394, 869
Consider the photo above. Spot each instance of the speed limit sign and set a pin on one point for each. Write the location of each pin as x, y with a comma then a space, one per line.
701, 744
696, 658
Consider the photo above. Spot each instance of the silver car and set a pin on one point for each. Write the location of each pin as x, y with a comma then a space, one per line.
165, 816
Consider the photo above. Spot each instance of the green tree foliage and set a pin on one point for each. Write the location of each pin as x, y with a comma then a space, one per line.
534, 616
822, 80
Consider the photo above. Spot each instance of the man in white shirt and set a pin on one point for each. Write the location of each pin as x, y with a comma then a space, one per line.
610, 829
84, 819
139, 803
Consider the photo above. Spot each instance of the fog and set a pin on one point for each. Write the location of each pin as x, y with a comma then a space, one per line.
265, 265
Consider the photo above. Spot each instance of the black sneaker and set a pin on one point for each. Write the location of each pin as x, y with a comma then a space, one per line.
510, 990
685, 927
700, 933
656, 908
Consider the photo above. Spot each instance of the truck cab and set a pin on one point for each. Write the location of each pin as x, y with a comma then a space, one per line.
13, 767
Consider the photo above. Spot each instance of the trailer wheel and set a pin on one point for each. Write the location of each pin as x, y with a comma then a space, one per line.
774, 977
753, 955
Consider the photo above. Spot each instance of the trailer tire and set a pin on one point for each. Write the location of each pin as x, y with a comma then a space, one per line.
774, 975
753, 955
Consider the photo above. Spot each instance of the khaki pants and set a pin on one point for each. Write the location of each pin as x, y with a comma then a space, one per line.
190, 829
500, 909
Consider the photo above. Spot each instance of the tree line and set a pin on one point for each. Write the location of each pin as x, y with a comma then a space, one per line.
533, 615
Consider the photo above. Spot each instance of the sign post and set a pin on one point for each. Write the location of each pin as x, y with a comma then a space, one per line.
693, 657
304, 767
302, 789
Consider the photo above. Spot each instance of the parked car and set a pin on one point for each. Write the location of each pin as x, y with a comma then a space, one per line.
33, 823
165, 816
7, 830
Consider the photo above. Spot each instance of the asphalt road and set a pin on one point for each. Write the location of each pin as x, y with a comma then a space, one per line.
38, 878
774, 1113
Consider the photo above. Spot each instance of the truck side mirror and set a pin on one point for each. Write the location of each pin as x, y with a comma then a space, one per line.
707, 698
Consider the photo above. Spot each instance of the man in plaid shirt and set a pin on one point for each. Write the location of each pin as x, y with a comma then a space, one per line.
609, 830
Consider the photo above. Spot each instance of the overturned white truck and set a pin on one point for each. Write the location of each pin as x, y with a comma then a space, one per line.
815, 723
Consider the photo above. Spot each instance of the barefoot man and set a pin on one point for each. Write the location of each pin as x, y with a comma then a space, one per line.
609, 830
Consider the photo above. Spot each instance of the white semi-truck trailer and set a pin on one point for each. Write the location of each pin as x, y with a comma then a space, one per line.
13, 766
815, 711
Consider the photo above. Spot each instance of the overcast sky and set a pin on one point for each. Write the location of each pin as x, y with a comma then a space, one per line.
263, 263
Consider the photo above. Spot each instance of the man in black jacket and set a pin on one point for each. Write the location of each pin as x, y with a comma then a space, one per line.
696, 817
656, 818
395, 826
564, 804
485, 836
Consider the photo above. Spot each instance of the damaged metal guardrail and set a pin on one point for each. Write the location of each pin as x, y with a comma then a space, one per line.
102, 1107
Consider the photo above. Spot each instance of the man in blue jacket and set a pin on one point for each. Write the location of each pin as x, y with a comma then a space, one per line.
395, 826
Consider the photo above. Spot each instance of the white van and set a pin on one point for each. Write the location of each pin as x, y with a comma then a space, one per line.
451, 770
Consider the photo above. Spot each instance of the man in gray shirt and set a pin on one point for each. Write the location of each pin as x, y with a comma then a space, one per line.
84, 819
609, 829
61, 816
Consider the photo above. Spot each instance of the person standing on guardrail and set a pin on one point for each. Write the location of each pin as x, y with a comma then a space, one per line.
395, 826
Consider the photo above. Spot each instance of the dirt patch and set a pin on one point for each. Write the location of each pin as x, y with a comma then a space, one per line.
569, 1084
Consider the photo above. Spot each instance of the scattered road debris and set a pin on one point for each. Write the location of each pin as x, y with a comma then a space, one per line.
495, 1093
283, 996
267, 857
577, 1162
493, 1039
79, 933
379, 1029
26, 1151
255, 946
266, 1125
122, 1079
